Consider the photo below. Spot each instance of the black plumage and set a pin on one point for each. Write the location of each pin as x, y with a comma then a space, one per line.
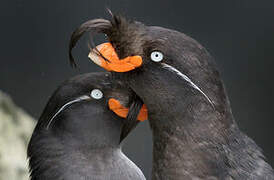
195, 135
78, 137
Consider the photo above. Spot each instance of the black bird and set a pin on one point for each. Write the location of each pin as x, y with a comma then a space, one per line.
78, 137
195, 135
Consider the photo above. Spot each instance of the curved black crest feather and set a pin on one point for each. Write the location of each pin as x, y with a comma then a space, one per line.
95, 25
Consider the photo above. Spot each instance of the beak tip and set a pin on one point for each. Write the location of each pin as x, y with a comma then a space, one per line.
95, 58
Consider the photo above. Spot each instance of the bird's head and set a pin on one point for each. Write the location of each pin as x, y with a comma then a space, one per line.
85, 116
82, 108
163, 66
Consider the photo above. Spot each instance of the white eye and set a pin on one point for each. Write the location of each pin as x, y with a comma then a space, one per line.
96, 94
156, 56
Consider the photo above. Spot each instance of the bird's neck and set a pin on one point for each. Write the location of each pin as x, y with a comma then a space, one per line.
207, 147
184, 127
182, 138
53, 157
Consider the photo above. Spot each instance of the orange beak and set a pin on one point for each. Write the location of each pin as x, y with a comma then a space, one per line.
113, 63
122, 111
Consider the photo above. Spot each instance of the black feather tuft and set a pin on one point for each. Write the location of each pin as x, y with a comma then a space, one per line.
131, 121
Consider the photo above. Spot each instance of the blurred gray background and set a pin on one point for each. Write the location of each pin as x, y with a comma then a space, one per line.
238, 33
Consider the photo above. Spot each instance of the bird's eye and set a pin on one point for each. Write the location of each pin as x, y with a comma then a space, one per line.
156, 56
96, 94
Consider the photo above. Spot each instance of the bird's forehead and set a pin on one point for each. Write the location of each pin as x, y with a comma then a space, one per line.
127, 37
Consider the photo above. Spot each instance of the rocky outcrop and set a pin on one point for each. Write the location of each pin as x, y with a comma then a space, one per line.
15, 130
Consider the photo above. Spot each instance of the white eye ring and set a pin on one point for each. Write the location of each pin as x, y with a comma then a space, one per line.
96, 94
156, 56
